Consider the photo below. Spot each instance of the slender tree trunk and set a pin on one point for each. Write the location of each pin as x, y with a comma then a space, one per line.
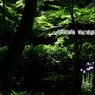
17, 45
77, 75
77, 80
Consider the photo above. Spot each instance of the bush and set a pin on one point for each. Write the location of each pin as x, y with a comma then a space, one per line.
46, 67
2, 51
38, 63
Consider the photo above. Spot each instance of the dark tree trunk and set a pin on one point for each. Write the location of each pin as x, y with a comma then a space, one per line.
77, 75
77, 80
17, 45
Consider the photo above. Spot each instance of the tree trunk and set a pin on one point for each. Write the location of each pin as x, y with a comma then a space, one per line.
76, 72
17, 45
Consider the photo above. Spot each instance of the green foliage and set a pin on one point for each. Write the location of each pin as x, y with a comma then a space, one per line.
12, 18
41, 23
86, 89
71, 3
57, 17
60, 40
85, 15
61, 16
50, 18
2, 52
46, 55
55, 6
47, 0
87, 51
24, 93
50, 63
20, 4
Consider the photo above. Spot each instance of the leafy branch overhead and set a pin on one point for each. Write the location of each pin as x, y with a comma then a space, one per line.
46, 19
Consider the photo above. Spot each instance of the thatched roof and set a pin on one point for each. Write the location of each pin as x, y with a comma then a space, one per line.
72, 32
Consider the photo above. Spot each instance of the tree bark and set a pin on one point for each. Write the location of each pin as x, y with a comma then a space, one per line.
17, 45
77, 80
